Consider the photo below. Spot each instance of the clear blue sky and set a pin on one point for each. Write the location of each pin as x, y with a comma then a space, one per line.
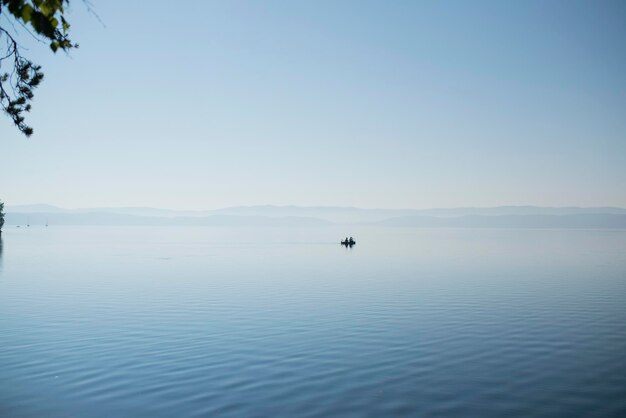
406, 104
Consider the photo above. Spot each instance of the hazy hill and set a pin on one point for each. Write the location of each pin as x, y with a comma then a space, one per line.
496, 217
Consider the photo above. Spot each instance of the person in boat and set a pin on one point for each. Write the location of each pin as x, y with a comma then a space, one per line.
351, 242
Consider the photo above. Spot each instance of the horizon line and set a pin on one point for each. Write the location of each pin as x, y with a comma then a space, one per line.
316, 207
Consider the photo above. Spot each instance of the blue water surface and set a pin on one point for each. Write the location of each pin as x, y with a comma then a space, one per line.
273, 322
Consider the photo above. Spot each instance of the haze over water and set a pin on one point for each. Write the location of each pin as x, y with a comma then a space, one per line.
484, 140
180, 321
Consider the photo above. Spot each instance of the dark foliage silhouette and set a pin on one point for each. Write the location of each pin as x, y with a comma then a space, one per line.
1, 215
19, 76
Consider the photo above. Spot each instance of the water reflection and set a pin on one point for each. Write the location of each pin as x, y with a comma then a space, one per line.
241, 322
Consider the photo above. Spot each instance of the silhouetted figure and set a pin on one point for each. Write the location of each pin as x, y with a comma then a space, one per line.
348, 242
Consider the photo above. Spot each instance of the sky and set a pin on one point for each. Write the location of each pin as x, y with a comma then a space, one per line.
404, 104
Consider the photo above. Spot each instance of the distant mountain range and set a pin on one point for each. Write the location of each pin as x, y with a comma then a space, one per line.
494, 217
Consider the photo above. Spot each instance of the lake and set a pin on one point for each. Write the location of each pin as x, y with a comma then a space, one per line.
273, 322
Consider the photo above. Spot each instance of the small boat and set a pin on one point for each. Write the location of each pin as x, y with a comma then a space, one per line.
348, 243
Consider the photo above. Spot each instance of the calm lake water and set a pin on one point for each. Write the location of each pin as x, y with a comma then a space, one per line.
212, 322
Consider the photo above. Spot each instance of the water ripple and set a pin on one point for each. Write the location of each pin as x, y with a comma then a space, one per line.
303, 330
